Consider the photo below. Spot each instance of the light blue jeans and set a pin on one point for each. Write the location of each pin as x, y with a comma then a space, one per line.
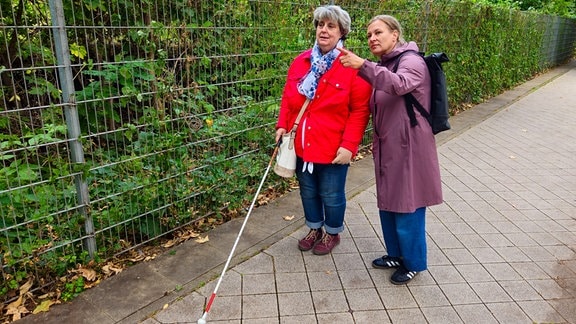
323, 195
405, 237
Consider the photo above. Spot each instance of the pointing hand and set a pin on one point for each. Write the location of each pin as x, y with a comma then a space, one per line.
349, 59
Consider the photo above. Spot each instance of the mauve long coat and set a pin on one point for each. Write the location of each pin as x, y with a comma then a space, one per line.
405, 157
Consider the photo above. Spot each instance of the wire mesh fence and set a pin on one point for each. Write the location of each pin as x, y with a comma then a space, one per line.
125, 121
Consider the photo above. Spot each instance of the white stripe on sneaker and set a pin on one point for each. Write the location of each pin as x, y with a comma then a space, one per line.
392, 264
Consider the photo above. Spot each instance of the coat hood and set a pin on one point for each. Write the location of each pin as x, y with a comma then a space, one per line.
410, 46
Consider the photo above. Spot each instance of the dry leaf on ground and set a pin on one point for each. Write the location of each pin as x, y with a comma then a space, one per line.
16, 309
44, 306
288, 218
202, 239
169, 244
88, 274
111, 269
25, 287
189, 234
150, 257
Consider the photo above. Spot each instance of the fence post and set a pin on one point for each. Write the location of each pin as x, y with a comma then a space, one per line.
71, 115
426, 21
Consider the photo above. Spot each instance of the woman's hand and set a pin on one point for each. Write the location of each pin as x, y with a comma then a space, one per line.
343, 156
349, 59
279, 133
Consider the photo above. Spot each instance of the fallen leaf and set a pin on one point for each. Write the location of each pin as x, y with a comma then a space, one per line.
47, 295
165, 306
169, 244
137, 259
111, 269
25, 287
150, 257
89, 274
91, 284
43, 307
202, 239
15, 304
16, 309
288, 218
190, 234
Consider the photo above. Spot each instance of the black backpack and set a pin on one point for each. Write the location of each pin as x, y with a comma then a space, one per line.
438, 116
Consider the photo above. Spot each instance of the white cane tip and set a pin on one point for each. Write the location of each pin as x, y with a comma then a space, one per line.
201, 321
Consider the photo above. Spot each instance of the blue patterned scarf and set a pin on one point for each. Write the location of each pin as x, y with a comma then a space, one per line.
320, 64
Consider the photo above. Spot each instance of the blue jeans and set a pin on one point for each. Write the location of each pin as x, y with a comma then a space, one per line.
405, 237
323, 195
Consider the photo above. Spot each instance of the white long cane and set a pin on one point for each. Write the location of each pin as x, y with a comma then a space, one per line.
202, 320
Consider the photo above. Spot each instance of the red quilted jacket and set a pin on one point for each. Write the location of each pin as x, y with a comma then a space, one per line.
336, 117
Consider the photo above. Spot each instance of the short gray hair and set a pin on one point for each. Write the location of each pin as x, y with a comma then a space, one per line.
334, 13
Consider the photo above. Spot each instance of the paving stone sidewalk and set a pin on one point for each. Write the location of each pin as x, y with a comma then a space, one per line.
502, 247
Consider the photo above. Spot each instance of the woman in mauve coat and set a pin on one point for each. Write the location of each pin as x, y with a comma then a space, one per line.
405, 156
331, 129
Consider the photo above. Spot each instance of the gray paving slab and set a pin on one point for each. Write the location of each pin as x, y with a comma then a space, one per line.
502, 246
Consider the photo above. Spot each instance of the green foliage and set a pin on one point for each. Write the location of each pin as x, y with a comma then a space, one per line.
73, 289
486, 46
563, 8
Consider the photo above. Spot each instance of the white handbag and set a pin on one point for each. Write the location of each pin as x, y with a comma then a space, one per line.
286, 158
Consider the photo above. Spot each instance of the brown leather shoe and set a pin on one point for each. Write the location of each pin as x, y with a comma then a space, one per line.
326, 245
310, 240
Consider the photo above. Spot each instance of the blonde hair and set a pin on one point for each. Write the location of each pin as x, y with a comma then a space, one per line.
334, 13
392, 23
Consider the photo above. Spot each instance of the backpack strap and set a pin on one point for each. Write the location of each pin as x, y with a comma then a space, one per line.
409, 100
416, 104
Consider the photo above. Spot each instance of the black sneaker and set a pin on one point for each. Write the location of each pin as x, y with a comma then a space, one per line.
386, 262
402, 276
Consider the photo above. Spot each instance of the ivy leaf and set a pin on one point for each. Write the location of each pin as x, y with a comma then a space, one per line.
78, 51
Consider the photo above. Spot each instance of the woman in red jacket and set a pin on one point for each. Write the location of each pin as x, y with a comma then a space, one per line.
405, 157
330, 130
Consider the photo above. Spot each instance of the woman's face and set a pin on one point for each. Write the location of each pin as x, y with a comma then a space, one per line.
381, 39
327, 35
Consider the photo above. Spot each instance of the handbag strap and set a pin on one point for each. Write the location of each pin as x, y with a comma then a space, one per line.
297, 121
